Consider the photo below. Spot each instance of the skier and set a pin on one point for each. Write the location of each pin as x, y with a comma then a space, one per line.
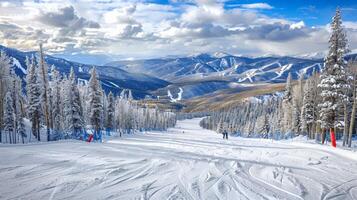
225, 134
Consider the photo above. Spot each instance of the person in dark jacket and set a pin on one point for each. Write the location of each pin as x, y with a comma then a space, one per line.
225, 134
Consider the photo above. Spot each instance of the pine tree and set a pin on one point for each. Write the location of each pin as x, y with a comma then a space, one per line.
308, 108
220, 127
110, 112
333, 79
353, 70
56, 102
96, 106
4, 84
288, 105
22, 129
9, 116
73, 107
44, 88
33, 96
297, 105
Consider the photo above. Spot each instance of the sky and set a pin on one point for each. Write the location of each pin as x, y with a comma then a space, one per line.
97, 32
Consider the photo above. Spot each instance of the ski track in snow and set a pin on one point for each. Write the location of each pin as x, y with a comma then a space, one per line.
186, 162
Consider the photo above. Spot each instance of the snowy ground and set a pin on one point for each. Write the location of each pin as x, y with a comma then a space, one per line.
184, 163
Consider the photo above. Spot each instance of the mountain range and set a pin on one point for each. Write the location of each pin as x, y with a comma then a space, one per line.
112, 78
234, 68
189, 77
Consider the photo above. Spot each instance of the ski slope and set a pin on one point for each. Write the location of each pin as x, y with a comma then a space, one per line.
185, 162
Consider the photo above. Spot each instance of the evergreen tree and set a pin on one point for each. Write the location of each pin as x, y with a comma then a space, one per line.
73, 108
56, 102
288, 105
43, 82
4, 84
308, 110
110, 112
9, 116
22, 129
96, 106
33, 96
333, 79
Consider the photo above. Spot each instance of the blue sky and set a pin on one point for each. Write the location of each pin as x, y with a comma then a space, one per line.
312, 12
101, 31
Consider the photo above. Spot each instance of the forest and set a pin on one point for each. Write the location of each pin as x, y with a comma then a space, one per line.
321, 104
58, 106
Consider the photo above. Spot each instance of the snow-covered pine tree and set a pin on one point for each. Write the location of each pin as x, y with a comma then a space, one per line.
297, 105
78, 121
333, 79
21, 103
110, 113
287, 105
5, 80
96, 106
9, 117
348, 105
55, 86
353, 71
73, 108
220, 126
16, 95
84, 96
33, 96
307, 111
44, 88
265, 129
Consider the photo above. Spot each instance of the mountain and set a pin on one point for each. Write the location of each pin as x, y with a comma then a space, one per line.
203, 74
184, 77
111, 78
236, 68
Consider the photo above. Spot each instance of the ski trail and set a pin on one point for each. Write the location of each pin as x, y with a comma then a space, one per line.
54, 190
186, 162
275, 187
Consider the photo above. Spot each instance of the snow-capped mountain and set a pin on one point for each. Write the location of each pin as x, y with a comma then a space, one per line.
236, 68
313, 55
112, 78
271, 69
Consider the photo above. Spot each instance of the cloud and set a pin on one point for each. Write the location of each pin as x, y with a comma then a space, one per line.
297, 25
120, 15
190, 31
257, 6
12, 3
275, 32
66, 18
140, 29
122, 24
130, 30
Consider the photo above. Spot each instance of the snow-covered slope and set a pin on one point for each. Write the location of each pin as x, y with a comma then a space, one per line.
241, 69
112, 78
186, 162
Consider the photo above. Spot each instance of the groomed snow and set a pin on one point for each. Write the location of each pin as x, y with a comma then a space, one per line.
185, 162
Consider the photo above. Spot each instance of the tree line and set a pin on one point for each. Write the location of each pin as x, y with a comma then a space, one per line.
59, 107
323, 103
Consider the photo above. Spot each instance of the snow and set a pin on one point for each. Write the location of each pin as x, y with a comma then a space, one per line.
82, 81
283, 69
304, 71
186, 162
270, 64
179, 95
115, 85
16, 63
